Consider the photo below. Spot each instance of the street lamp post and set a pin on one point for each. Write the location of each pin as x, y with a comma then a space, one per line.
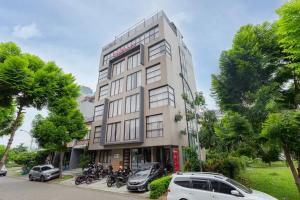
31, 141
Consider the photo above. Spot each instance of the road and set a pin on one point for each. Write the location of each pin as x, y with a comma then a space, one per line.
21, 189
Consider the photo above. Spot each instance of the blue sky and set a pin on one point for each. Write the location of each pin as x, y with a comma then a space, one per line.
72, 32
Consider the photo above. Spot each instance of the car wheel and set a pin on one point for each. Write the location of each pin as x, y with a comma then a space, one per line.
42, 179
30, 178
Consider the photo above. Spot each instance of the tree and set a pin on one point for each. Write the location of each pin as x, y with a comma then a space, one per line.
289, 39
234, 130
20, 148
284, 129
6, 118
207, 135
29, 82
251, 63
64, 124
289, 31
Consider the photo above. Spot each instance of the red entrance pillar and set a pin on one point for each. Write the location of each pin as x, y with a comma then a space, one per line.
176, 159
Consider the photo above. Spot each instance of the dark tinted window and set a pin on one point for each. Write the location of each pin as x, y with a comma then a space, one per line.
221, 187
46, 168
200, 184
36, 169
182, 183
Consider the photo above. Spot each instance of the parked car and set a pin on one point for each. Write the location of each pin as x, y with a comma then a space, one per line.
141, 179
43, 173
210, 186
3, 171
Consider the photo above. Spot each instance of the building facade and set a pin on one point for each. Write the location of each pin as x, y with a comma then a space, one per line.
77, 147
142, 76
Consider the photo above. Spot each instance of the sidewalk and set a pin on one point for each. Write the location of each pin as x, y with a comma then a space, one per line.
101, 185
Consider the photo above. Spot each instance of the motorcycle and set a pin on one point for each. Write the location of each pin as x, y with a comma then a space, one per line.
122, 177
85, 177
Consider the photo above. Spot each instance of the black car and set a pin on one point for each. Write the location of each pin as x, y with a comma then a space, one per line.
141, 179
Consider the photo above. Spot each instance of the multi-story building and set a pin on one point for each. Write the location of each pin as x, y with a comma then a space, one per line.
142, 76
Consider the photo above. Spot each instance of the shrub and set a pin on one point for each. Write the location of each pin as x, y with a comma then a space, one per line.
229, 166
84, 160
159, 186
192, 163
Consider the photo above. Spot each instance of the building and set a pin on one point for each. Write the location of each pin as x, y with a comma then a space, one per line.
142, 76
86, 107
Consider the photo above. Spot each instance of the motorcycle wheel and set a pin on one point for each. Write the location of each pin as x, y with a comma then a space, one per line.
89, 180
118, 184
78, 181
109, 184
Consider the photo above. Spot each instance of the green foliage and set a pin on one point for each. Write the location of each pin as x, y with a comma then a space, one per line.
6, 118
225, 164
159, 186
270, 153
84, 160
191, 163
207, 134
178, 117
289, 31
29, 82
255, 51
233, 130
20, 148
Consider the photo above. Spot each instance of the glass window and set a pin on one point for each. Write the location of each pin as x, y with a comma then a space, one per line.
159, 49
133, 61
153, 74
183, 183
221, 187
103, 75
134, 80
103, 93
118, 68
155, 126
99, 112
131, 128
116, 87
113, 132
132, 103
200, 184
46, 168
115, 108
97, 134
105, 156
162, 96
142, 39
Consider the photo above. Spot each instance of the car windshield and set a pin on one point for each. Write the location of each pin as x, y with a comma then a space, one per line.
143, 173
45, 168
240, 186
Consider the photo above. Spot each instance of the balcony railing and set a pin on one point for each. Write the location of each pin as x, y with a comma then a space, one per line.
135, 28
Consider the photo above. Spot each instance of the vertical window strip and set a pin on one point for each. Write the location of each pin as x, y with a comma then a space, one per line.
153, 74
154, 126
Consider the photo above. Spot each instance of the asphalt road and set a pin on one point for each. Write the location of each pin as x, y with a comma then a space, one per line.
20, 189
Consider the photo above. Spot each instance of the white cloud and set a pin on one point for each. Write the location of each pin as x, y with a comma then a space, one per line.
27, 31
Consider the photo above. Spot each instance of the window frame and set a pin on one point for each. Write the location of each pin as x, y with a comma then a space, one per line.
98, 116
113, 127
160, 124
152, 72
171, 101
130, 128
135, 80
129, 101
160, 48
103, 96
114, 90
97, 139
103, 75
114, 112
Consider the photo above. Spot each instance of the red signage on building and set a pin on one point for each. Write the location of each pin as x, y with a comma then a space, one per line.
176, 159
122, 50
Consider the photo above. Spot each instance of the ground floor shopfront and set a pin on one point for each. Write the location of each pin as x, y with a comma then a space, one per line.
168, 156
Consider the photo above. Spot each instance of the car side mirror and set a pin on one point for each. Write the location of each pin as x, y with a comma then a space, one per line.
235, 193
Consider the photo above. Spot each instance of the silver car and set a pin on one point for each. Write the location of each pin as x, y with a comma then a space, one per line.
43, 173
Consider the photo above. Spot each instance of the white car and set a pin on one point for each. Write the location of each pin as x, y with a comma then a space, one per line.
210, 186
3, 171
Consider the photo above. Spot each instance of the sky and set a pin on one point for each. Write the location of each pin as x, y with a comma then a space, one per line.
72, 33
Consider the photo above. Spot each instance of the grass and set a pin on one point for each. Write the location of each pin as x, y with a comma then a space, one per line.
276, 180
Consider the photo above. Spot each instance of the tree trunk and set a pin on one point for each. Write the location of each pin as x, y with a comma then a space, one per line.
14, 128
292, 166
61, 158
